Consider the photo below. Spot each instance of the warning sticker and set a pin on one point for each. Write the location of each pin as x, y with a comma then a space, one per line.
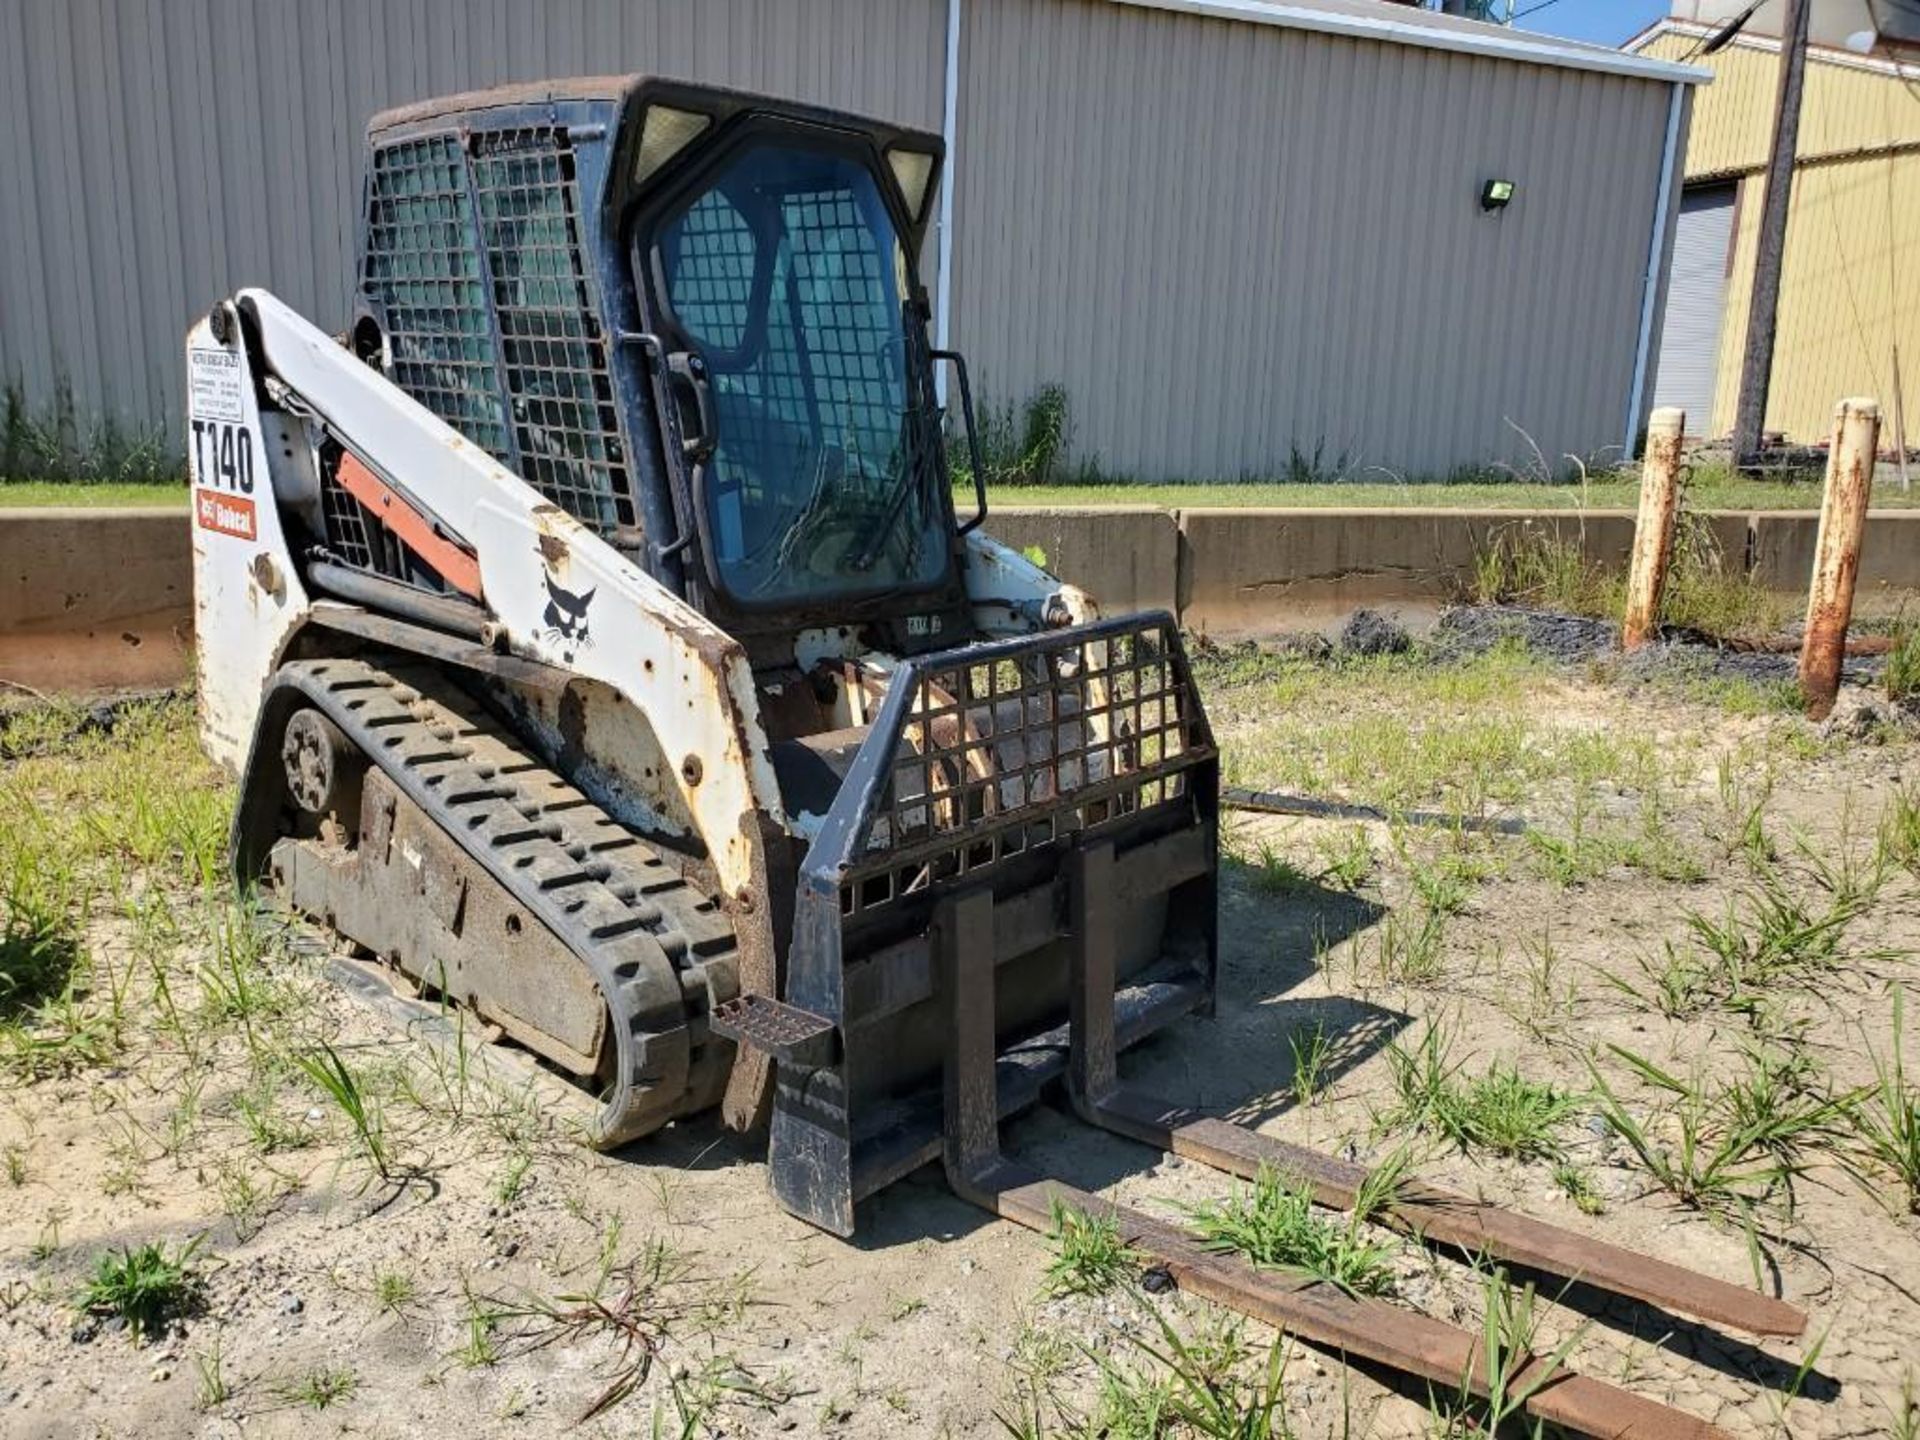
227, 514
214, 386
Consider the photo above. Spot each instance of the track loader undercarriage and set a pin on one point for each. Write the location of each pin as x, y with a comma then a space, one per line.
486, 878
601, 653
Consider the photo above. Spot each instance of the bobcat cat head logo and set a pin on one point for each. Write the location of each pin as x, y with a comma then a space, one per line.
566, 618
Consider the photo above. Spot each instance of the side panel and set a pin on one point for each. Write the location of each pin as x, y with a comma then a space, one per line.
247, 599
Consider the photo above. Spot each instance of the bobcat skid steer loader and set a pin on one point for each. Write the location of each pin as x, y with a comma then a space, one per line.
598, 645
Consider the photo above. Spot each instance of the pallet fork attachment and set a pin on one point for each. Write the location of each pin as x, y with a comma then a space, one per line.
1366, 1329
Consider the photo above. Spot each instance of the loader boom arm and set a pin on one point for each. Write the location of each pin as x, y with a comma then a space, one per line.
689, 678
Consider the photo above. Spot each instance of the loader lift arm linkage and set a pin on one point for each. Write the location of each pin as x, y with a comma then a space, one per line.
600, 650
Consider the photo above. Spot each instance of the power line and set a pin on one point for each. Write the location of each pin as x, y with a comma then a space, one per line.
1719, 39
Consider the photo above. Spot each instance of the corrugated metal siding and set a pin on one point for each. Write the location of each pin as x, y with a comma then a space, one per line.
1844, 108
1849, 289
1850, 283
1232, 242
161, 153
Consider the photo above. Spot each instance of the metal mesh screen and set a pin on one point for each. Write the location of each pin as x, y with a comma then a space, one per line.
849, 316
422, 268
828, 367
1007, 748
713, 279
787, 273
350, 529
552, 346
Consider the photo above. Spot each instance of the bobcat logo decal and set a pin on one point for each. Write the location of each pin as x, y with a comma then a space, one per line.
566, 619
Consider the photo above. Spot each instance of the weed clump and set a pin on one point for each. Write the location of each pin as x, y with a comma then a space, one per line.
1770, 938
1900, 829
1500, 1111
146, 1286
1549, 569
1018, 445
1273, 1223
1731, 1148
55, 443
318, 1389
1408, 949
1211, 1386
39, 934
1902, 675
1089, 1257
1885, 1116
1508, 1368
332, 1077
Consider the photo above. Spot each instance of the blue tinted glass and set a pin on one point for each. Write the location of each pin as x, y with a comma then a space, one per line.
788, 276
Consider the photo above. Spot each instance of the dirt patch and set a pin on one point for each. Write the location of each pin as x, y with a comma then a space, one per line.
496, 1279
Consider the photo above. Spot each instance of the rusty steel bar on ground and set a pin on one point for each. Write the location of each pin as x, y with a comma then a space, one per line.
1445, 1356
1653, 528
1275, 802
1836, 553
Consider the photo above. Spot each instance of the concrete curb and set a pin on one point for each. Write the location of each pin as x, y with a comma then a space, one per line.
99, 598
95, 598
1239, 571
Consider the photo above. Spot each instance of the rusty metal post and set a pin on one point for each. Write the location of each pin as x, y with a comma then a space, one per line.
1653, 531
1836, 554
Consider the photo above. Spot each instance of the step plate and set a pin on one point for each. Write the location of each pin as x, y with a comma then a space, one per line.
792, 1036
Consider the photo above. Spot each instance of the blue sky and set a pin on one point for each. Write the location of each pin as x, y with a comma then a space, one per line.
1604, 22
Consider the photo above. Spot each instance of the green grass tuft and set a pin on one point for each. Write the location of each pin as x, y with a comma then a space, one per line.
1089, 1257
1407, 949
1273, 1223
1885, 1117
1731, 1148
319, 1389
56, 443
331, 1076
146, 1285
1500, 1111
1311, 1049
1577, 1185
1902, 675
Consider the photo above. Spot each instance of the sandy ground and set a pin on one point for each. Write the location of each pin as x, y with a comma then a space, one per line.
930, 1320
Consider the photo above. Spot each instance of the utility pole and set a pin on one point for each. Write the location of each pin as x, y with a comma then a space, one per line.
1756, 368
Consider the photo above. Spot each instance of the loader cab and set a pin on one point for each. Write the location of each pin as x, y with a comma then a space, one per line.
693, 318
773, 260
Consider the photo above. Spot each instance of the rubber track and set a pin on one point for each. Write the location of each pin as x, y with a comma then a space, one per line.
652, 942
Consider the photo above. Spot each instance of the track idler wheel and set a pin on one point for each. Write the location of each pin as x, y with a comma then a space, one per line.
324, 769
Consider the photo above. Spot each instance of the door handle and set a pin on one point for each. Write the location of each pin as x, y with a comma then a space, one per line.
687, 375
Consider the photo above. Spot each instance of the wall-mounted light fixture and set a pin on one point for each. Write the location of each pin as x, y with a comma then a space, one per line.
1496, 194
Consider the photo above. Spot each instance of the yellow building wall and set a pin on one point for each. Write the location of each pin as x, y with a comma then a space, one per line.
1842, 108
1850, 282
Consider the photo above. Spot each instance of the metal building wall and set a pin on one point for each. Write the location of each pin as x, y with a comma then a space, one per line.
161, 153
1847, 105
1235, 242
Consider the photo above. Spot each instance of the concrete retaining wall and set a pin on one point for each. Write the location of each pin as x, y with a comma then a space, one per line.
1782, 551
1242, 569
101, 598
95, 599
1128, 559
